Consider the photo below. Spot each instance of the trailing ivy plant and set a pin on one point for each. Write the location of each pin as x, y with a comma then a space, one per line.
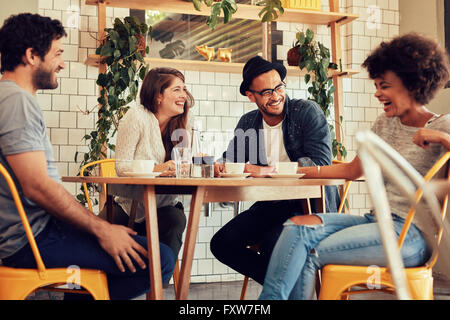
228, 7
316, 59
122, 50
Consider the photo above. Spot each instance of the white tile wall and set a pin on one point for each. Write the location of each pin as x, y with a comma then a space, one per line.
69, 110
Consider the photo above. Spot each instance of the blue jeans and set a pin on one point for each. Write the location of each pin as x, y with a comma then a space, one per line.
62, 245
342, 239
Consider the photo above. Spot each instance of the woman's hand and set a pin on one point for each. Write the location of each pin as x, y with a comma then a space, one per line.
218, 168
423, 137
167, 168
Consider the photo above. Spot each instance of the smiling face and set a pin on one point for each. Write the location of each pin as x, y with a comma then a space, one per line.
172, 100
396, 99
44, 76
271, 108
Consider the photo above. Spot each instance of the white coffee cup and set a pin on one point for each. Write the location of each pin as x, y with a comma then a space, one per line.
142, 166
234, 167
286, 167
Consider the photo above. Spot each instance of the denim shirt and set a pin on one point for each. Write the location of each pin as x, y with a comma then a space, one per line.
305, 135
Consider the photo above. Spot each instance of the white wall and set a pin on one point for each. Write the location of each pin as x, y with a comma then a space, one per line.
426, 17
9, 7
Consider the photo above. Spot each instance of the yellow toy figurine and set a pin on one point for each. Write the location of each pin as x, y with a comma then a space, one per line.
224, 54
207, 52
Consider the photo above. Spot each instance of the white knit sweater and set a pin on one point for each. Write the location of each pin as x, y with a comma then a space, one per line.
139, 137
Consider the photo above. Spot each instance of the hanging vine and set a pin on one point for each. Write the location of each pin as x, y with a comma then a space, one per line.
316, 59
122, 50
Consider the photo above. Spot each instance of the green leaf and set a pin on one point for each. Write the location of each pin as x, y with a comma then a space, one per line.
102, 80
106, 50
131, 74
301, 39
307, 78
309, 64
309, 35
116, 76
197, 4
132, 41
332, 90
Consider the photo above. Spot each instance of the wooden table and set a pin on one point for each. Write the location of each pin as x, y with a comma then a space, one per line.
203, 191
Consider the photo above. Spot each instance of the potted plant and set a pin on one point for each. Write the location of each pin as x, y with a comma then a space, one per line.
122, 50
316, 59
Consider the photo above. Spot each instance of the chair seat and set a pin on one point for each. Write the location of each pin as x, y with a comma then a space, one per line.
337, 279
18, 283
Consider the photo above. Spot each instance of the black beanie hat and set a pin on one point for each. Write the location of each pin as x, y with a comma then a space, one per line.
256, 66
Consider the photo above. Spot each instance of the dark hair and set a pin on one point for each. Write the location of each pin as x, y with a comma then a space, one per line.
23, 31
155, 82
421, 64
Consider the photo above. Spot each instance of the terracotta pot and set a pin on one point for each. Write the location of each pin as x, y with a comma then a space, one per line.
293, 57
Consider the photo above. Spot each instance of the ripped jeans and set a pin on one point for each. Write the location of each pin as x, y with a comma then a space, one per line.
344, 239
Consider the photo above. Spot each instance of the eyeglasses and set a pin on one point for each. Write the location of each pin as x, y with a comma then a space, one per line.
268, 93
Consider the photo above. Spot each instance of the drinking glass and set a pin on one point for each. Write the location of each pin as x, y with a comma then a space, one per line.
183, 158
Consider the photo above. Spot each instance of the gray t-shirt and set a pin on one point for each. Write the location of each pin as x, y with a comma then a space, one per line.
22, 129
400, 137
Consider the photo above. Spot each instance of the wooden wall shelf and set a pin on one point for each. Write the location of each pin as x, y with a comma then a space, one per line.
214, 66
333, 19
244, 11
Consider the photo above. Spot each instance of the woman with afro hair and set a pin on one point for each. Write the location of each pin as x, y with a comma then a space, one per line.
407, 71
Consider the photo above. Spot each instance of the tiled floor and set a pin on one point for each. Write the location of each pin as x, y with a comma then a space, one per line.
232, 291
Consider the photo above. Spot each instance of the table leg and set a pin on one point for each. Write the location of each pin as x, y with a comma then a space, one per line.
321, 205
189, 243
154, 259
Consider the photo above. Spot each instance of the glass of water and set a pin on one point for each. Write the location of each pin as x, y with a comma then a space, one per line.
183, 159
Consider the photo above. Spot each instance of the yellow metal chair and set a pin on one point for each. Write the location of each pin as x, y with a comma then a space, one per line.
341, 206
108, 169
338, 279
18, 283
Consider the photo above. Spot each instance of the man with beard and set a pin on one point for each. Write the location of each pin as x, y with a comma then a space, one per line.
66, 232
280, 130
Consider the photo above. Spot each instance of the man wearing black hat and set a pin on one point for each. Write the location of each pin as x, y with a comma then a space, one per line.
281, 130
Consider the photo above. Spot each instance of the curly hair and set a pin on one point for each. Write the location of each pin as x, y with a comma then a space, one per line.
23, 31
421, 64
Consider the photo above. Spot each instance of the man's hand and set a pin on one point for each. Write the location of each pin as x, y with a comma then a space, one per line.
117, 242
30, 169
258, 171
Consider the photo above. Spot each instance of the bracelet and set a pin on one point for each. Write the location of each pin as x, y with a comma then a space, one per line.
318, 170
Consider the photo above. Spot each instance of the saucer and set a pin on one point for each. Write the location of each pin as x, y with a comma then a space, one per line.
234, 175
142, 174
284, 176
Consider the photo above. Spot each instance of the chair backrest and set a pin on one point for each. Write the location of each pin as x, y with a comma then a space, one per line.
375, 154
25, 223
107, 169
443, 162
